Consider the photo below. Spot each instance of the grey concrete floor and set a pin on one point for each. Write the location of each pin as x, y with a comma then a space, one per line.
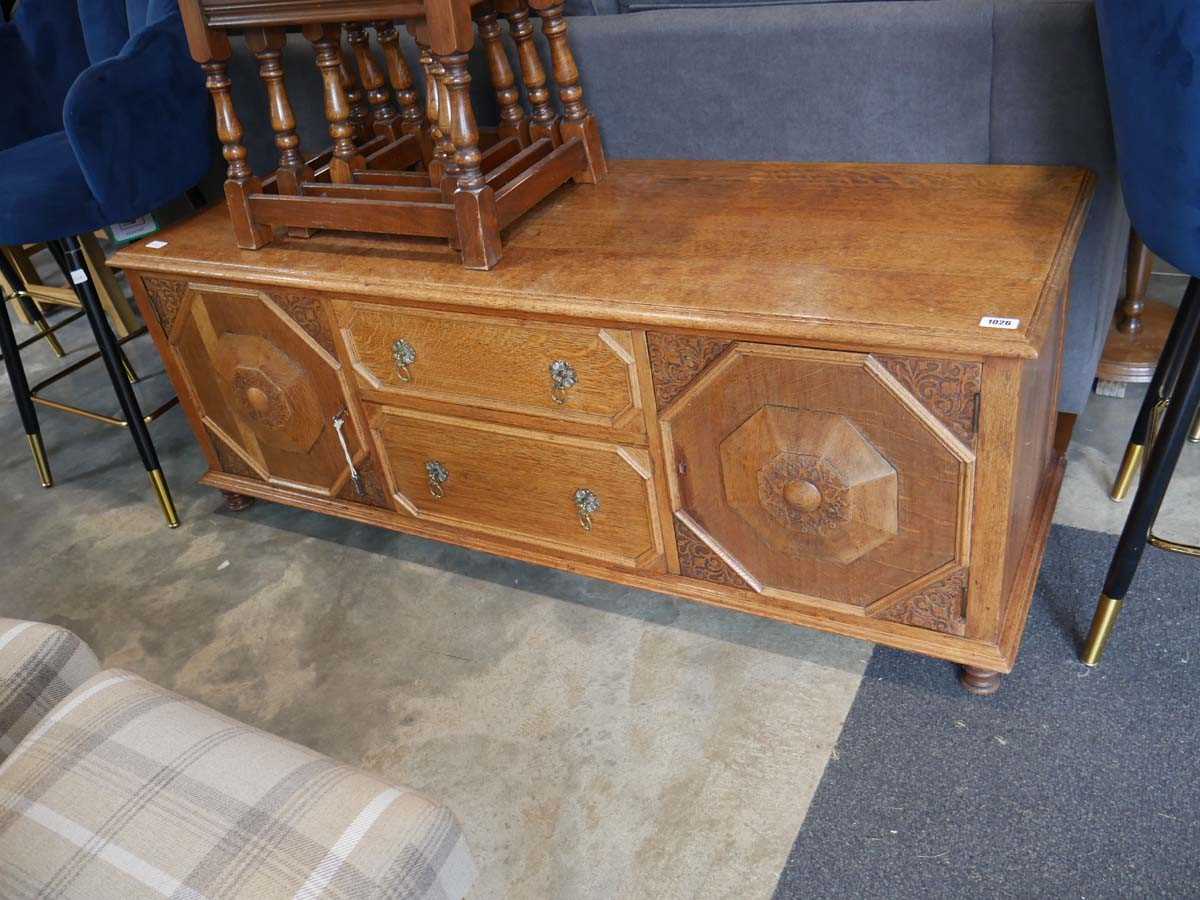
596, 740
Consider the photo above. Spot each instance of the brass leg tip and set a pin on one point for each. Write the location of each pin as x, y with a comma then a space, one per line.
1129, 467
1194, 437
1103, 622
41, 460
164, 497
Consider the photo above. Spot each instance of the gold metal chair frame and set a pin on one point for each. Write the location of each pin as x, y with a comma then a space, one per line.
1162, 543
89, 413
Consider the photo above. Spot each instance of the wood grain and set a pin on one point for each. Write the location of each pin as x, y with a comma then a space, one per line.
717, 247
494, 363
521, 485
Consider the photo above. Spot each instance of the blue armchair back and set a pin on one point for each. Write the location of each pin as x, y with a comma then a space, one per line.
114, 81
1152, 64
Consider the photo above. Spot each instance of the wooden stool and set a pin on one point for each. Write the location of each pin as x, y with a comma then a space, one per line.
393, 168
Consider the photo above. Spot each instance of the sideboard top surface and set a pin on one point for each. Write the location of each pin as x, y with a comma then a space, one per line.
910, 256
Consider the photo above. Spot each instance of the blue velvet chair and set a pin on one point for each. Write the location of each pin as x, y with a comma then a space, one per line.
1151, 54
103, 117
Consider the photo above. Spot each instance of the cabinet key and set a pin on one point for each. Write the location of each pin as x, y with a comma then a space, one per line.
339, 422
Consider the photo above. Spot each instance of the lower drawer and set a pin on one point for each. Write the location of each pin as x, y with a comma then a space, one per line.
570, 495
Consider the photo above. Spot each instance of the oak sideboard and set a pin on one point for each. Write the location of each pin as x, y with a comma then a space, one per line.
825, 394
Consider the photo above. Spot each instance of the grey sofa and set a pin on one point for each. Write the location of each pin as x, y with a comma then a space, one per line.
969, 81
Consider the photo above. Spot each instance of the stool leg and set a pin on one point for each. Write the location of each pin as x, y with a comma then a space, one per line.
38, 318
20, 389
1164, 453
110, 353
1165, 374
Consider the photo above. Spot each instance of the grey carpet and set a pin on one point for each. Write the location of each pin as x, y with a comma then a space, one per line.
1071, 782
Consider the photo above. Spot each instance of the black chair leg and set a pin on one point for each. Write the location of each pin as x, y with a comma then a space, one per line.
1164, 454
72, 252
16, 378
1187, 320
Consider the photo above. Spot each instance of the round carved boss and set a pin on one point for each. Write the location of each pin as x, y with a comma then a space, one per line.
810, 484
269, 391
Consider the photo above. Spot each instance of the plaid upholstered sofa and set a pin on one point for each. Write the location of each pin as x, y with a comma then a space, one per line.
111, 787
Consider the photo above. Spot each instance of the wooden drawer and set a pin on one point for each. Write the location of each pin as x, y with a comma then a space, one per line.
522, 485
495, 365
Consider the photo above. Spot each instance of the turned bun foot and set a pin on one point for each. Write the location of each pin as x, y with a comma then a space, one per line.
979, 681
235, 502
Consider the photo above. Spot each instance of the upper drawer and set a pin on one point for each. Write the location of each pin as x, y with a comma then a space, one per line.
572, 374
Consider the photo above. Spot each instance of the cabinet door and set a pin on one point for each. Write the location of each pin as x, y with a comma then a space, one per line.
266, 391
819, 476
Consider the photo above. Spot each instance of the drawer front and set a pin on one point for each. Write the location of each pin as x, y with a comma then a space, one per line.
565, 494
563, 373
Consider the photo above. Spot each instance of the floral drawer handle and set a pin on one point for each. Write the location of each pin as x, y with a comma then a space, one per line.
562, 378
437, 475
403, 355
587, 503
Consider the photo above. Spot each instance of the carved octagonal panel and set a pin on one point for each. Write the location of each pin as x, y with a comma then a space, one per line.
818, 475
266, 390
810, 484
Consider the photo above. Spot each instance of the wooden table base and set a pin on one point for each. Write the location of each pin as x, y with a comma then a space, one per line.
1130, 358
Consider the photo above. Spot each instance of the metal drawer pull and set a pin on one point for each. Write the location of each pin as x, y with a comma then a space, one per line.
587, 503
562, 377
437, 477
339, 422
403, 355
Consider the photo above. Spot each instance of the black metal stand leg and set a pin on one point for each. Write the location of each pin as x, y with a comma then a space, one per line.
110, 353
1164, 454
20, 386
1166, 373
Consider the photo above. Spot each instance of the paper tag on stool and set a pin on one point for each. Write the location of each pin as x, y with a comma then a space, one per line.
999, 322
156, 245
78, 276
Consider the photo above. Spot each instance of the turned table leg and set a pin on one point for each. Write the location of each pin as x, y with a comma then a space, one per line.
235, 502
980, 682
326, 41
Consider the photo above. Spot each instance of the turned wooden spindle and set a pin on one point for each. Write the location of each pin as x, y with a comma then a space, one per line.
346, 158
474, 200
577, 121
513, 121
433, 147
240, 182
267, 45
444, 149
412, 118
385, 119
544, 120
360, 115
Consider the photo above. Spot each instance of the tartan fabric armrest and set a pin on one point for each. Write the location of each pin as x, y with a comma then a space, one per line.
129, 790
39, 665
